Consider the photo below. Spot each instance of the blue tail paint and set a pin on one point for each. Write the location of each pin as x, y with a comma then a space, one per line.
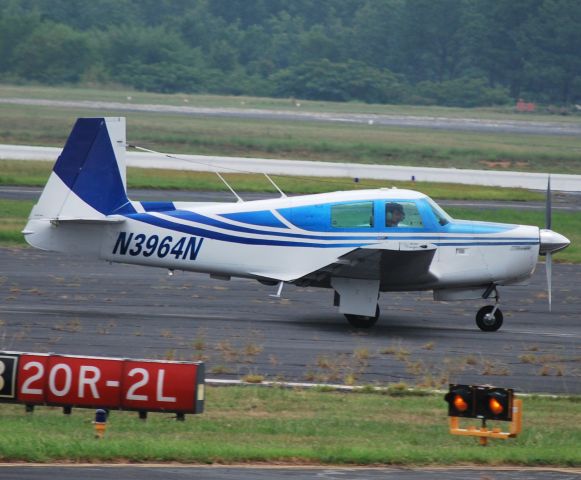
90, 167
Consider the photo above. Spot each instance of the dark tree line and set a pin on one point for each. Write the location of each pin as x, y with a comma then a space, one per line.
447, 52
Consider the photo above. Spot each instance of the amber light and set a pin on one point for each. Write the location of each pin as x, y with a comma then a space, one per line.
495, 406
460, 404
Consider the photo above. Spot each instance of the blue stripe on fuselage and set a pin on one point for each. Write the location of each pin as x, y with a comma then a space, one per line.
477, 228
158, 206
441, 240
381, 235
261, 218
201, 232
196, 217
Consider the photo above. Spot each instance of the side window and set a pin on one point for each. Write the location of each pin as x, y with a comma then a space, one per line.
352, 215
441, 216
402, 214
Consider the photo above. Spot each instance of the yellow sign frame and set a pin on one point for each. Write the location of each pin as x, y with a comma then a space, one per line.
486, 433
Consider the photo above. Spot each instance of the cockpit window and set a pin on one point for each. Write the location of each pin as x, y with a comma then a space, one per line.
402, 214
352, 215
441, 216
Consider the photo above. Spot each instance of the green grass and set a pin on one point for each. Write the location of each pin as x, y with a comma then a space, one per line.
13, 215
298, 140
247, 424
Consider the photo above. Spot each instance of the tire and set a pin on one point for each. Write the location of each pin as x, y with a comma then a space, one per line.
485, 322
362, 321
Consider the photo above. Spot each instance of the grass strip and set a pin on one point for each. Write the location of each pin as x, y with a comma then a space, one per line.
249, 424
13, 215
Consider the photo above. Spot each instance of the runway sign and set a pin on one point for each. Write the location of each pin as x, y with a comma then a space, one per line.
100, 382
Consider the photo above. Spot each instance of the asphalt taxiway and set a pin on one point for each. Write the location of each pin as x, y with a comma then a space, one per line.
71, 305
63, 304
55, 302
139, 472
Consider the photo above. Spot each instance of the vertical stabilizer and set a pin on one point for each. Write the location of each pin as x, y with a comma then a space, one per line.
88, 179
87, 183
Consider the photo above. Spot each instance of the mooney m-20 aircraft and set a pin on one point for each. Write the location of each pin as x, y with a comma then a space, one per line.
359, 243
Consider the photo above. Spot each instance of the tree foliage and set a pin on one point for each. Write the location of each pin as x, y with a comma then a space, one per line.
448, 52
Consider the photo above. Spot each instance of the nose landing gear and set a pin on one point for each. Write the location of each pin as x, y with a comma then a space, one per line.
489, 318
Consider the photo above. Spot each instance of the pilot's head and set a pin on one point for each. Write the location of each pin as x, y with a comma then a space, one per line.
393, 214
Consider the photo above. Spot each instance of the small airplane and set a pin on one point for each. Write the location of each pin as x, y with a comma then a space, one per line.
358, 243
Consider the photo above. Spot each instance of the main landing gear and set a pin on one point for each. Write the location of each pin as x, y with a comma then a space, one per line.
362, 321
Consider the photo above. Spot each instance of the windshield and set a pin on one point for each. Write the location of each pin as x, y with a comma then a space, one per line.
441, 216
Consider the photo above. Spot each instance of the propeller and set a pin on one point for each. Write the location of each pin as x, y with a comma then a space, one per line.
549, 257
550, 242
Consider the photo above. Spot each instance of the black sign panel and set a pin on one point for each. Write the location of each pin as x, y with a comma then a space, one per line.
8, 368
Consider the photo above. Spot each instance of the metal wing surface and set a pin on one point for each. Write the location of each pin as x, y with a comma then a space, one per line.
397, 265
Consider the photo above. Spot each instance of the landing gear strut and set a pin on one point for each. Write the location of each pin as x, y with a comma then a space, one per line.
362, 321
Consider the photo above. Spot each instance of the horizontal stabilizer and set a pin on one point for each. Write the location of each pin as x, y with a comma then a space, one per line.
87, 221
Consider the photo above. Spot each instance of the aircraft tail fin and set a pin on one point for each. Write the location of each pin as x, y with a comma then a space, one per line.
88, 179
86, 186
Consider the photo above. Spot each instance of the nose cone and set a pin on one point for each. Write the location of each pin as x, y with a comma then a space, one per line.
552, 241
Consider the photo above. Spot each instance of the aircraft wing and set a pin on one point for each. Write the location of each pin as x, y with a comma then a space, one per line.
396, 264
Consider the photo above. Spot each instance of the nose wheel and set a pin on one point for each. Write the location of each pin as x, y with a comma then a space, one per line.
489, 318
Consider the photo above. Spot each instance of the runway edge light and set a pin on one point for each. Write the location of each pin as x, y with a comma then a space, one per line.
494, 403
100, 423
486, 403
460, 400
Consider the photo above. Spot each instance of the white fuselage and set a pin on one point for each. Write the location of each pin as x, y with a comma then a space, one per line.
226, 239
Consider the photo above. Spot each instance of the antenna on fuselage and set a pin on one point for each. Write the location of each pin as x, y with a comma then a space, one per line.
193, 161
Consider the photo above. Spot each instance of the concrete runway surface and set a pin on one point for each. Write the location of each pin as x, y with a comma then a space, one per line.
158, 472
53, 302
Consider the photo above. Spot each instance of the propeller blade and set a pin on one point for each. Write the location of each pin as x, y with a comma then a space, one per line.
549, 257
549, 268
548, 207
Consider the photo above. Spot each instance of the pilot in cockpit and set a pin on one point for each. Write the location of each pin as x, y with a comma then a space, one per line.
394, 214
